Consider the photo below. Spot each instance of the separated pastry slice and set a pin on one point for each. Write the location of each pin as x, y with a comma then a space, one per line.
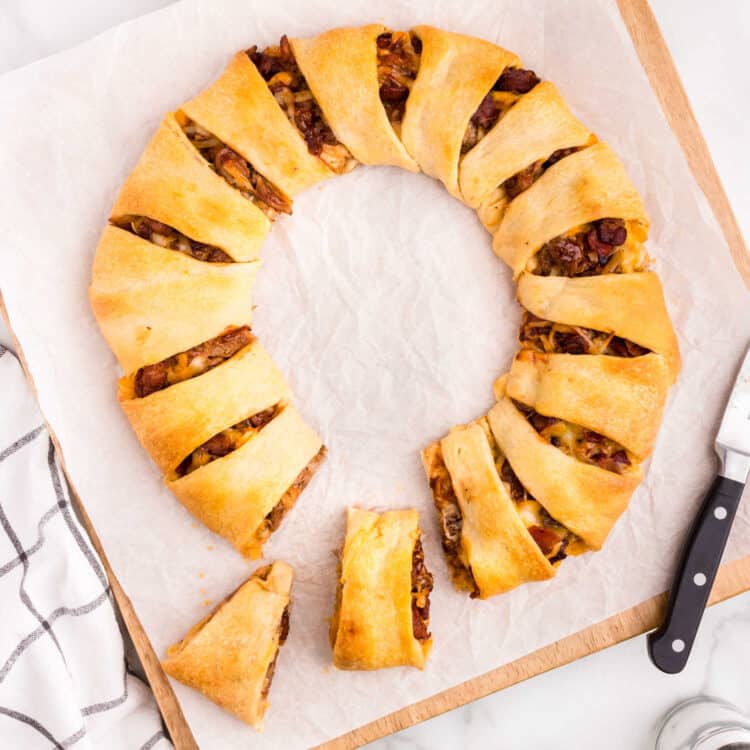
231, 654
571, 195
340, 67
622, 398
242, 481
151, 302
381, 617
537, 126
583, 497
487, 544
630, 306
455, 74
241, 110
178, 405
173, 184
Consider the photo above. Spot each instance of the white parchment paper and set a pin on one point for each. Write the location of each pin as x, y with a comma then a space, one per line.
383, 303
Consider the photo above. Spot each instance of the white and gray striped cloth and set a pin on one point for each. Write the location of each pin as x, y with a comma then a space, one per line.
64, 680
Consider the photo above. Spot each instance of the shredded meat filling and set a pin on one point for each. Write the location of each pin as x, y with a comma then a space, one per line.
421, 586
585, 445
237, 171
226, 441
451, 524
559, 338
552, 538
279, 69
165, 236
283, 634
524, 179
277, 514
600, 247
191, 363
513, 83
398, 62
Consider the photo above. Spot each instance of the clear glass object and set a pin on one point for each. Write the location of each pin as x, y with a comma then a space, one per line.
704, 723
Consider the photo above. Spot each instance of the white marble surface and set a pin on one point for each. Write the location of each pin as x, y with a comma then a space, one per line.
613, 699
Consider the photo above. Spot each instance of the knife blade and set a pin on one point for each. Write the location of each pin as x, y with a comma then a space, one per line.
669, 646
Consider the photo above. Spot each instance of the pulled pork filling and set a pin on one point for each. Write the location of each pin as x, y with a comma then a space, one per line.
168, 237
398, 62
554, 540
191, 363
283, 634
596, 248
279, 69
421, 586
237, 171
492, 209
226, 441
559, 338
577, 441
451, 524
512, 84
276, 515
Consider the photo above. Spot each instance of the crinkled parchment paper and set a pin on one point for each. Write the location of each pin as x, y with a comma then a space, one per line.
382, 301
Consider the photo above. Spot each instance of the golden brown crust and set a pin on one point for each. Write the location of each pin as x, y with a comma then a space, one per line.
496, 543
228, 653
172, 183
340, 66
536, 126
584, 498
455, 74
372, 625
630, 305
233, 494
151, 302
588, 185
615, 396
240, 110
173, 422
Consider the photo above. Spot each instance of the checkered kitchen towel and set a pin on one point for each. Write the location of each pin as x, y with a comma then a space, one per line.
64, 681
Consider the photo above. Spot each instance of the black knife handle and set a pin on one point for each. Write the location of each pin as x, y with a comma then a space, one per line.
669, 646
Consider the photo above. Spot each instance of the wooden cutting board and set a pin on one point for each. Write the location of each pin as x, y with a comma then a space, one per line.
733, 578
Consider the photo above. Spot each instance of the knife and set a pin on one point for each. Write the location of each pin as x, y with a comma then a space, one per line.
669, 646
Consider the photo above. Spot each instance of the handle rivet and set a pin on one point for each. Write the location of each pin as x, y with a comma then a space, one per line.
699, 579
720, 513
678, 645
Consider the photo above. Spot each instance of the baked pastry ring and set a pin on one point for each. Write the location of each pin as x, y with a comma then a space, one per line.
381, 617
230, 655
546, 473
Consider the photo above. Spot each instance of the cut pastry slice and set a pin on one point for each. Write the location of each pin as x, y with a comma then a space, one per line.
614, 396
535, 127
231, 654
585, 187
381, 617
241, 482
584, 498
151, 302
340, 66
173, 421
631, 306
455, 74
242, 111
174, 185
489, 548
